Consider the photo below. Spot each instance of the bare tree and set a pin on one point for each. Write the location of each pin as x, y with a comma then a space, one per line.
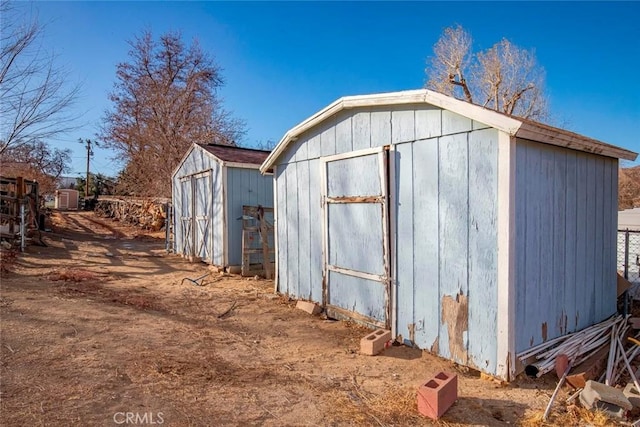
505, 77
34, 94
165, 99
36, 160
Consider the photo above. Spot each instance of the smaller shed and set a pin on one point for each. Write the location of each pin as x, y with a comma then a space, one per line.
66, 199
210, 186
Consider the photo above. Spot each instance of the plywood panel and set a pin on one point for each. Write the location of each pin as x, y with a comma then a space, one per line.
342, 182
570, 240
361, 130
315, 224
426, 195
453, 239
559, 282
405, 233
304, 231
355, 237
281, 229
358, 295
343, 135
483, 248
313, 146
402, 126
293, 230
428, 123
328, 141
454, 123
380, 128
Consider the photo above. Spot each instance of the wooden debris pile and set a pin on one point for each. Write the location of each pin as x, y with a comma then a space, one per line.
149, 214
606, 353
578, 347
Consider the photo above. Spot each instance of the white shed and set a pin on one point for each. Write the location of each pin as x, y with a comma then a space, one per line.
467, 232
66, 199
210, 186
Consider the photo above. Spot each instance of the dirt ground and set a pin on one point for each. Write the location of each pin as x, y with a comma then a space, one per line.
99, 329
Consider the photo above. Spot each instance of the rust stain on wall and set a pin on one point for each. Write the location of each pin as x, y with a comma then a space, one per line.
544, 331
455, 314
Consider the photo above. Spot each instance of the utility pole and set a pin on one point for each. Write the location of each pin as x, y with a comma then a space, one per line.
87, 187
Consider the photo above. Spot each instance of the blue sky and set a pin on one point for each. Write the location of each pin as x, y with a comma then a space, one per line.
283, 61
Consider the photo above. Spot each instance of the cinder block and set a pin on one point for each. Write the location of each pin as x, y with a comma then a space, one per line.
437, 395
608, 399
375, 342
632, 394
309, 307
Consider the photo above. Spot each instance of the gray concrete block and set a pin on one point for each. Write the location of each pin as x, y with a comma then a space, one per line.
632, 394
608, 399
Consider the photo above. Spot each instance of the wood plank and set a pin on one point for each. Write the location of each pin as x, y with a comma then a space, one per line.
361, 130
405, 260
453, 240
403, 126
483, 249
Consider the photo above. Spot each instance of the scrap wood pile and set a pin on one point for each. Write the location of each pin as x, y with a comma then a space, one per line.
598, 361
148, 214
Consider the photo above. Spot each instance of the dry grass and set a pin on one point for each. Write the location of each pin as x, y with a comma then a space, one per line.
574, 416
397, 406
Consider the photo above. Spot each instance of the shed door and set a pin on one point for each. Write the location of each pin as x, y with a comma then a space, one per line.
186, 218
202, 215
64, 200
356, 243
195, 221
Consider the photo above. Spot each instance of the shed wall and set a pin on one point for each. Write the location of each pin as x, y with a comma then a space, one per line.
197, 162
566, 207
446, 186
244, 187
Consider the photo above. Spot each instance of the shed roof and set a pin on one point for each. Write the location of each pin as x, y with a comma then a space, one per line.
228, 153
514, 126
629, 219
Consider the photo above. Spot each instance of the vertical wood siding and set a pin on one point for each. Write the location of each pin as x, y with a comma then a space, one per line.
198, 161
244, 187
445, 201
565, 241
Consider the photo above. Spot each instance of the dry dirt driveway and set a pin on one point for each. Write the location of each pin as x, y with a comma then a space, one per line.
99, 329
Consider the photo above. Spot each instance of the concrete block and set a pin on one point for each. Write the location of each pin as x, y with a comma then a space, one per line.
608, 399
375, 342
632, 394
437, 395
309, 307
234, 269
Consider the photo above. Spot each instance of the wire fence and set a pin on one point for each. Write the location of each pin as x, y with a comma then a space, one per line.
629, 259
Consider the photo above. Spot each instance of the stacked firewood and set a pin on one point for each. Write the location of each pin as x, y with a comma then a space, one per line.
149, 214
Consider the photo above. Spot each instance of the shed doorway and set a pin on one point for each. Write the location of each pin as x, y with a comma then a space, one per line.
355, 235
195, 221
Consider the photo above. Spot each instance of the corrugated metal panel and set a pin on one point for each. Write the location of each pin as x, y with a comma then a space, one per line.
565, 241
244, 187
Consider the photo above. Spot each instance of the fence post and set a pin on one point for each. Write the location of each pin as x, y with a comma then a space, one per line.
168, 226
22, 227
626, 254
625, 295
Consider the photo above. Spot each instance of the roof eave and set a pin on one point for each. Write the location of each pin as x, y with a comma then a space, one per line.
560, 138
